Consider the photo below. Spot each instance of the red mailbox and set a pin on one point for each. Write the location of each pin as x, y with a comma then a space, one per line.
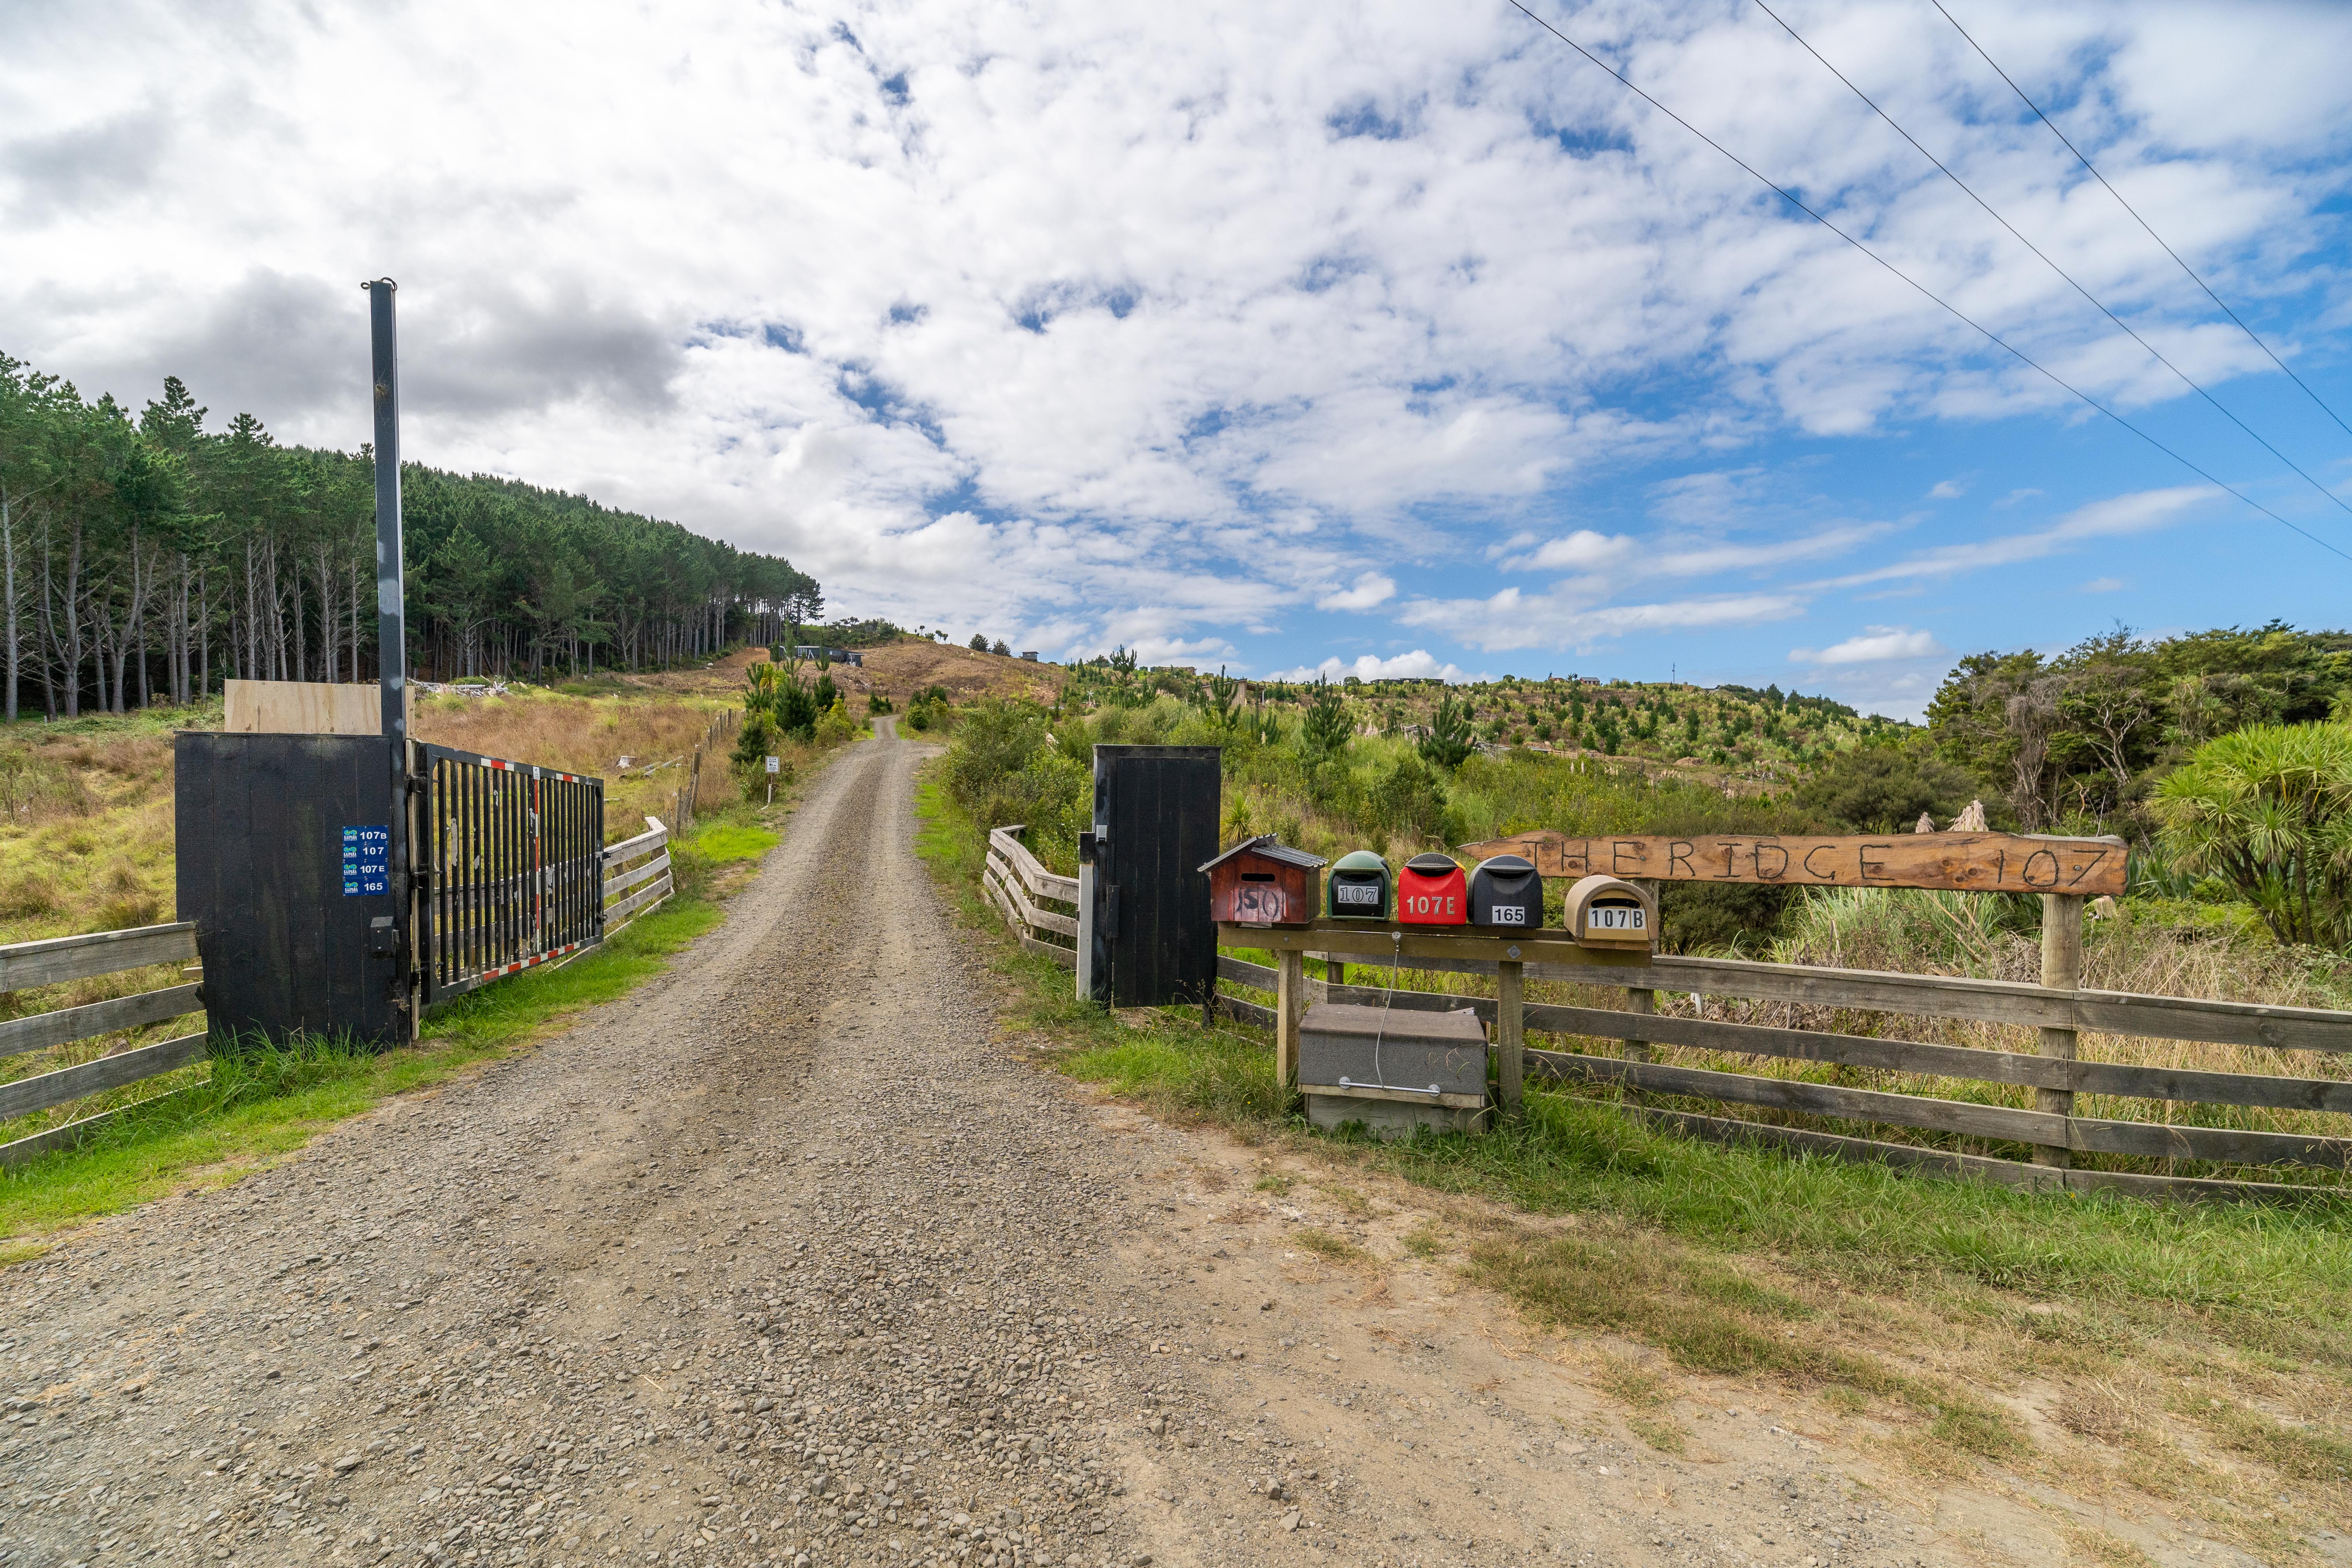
1262, 882
1432, 891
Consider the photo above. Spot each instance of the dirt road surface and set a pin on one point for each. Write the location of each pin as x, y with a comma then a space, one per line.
787, 1258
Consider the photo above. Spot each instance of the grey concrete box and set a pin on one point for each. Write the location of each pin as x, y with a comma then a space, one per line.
1395, 1073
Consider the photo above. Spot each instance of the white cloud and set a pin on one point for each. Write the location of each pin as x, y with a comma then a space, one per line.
1512, 619
1948, 490
1370, 589
1623, 557
1875, 645
1584, 550
2115, 518
2102, 584
1059, 314
1420, 664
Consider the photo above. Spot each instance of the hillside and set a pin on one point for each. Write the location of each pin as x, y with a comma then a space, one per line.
900, 669
1732, 738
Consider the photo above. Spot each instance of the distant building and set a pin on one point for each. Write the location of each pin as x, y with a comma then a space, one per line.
1030, 655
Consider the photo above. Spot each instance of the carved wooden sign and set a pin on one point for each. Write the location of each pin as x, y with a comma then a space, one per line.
1966, 862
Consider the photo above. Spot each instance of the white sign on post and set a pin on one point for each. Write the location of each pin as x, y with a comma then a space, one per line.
774, 764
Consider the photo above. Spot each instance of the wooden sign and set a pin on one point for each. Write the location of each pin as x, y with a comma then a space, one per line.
307, 708
1966, 862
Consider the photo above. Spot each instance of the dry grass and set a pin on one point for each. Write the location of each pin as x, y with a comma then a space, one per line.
589, 735
2095, 1411
1324, 1244
901, 669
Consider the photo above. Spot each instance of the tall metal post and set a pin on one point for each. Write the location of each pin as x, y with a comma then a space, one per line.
391, 618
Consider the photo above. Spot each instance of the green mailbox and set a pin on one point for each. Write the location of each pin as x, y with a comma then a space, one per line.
1360, 887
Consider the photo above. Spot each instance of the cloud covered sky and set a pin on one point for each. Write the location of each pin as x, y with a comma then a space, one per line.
1286, 337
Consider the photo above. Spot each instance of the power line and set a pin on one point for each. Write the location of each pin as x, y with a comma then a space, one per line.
2160, 239
1991, 336
2185, 379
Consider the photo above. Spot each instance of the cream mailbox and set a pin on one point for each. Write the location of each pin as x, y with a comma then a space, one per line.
1606, 911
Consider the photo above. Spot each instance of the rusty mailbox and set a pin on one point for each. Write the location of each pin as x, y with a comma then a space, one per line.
1262, 882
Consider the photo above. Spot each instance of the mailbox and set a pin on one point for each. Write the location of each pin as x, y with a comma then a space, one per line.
1431, 892
1605, 911
1507, 891
1262, 882
1359, 887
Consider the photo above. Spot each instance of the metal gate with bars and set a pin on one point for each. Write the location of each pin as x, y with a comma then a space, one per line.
512, 865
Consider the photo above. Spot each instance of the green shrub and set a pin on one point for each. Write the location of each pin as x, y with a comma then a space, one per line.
2269, 809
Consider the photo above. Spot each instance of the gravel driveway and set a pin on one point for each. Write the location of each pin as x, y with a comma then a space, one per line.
786, 1258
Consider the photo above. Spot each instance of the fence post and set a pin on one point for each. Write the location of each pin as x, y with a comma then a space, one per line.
2062, 970
1638, 1000
1510, 1035
1290, 994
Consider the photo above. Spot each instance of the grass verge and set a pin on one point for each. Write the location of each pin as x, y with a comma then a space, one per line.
1848, 1280
257, 1106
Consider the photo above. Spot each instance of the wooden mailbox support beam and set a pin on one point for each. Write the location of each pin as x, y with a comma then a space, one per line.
2062, 970
1376, 940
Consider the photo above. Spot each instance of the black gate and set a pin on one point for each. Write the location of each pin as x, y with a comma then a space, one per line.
1146, 937
513, 867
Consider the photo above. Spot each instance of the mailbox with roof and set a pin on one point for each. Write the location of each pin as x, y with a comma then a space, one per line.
1262, 881
1359, 887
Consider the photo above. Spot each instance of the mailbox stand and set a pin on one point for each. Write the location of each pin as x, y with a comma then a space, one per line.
1383, 941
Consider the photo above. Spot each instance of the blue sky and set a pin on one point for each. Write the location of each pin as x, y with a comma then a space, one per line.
1281, 337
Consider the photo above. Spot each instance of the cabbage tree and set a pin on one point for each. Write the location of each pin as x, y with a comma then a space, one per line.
2268, 809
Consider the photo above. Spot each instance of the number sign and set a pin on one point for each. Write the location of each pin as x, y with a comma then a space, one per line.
367, 861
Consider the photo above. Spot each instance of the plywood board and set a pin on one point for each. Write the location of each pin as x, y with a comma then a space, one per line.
308, 708
1965, 862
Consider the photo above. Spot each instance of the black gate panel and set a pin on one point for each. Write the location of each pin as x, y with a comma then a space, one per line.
1156, 822
513, 864
282, 846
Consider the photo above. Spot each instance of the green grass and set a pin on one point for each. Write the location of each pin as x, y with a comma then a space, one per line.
722, 842
258, 1106
2269, 1280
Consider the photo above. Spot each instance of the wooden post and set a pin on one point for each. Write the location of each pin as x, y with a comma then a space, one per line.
1290, 995
1638, 1000
2062, 970
1511, 1037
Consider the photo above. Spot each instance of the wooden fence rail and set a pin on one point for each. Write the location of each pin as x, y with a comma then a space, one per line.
67, 958
650, 878
1018, 884
630, 893
1013, 878
2167, 1017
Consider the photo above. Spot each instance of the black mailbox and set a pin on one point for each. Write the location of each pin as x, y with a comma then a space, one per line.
1359, 887
1507, 891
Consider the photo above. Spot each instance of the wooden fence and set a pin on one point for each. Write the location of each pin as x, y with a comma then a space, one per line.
1014, 880
2051, 1132
60, 960
689, 788
632, 890
637, 875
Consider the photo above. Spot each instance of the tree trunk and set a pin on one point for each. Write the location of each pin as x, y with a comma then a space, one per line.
72, 650
8, 546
